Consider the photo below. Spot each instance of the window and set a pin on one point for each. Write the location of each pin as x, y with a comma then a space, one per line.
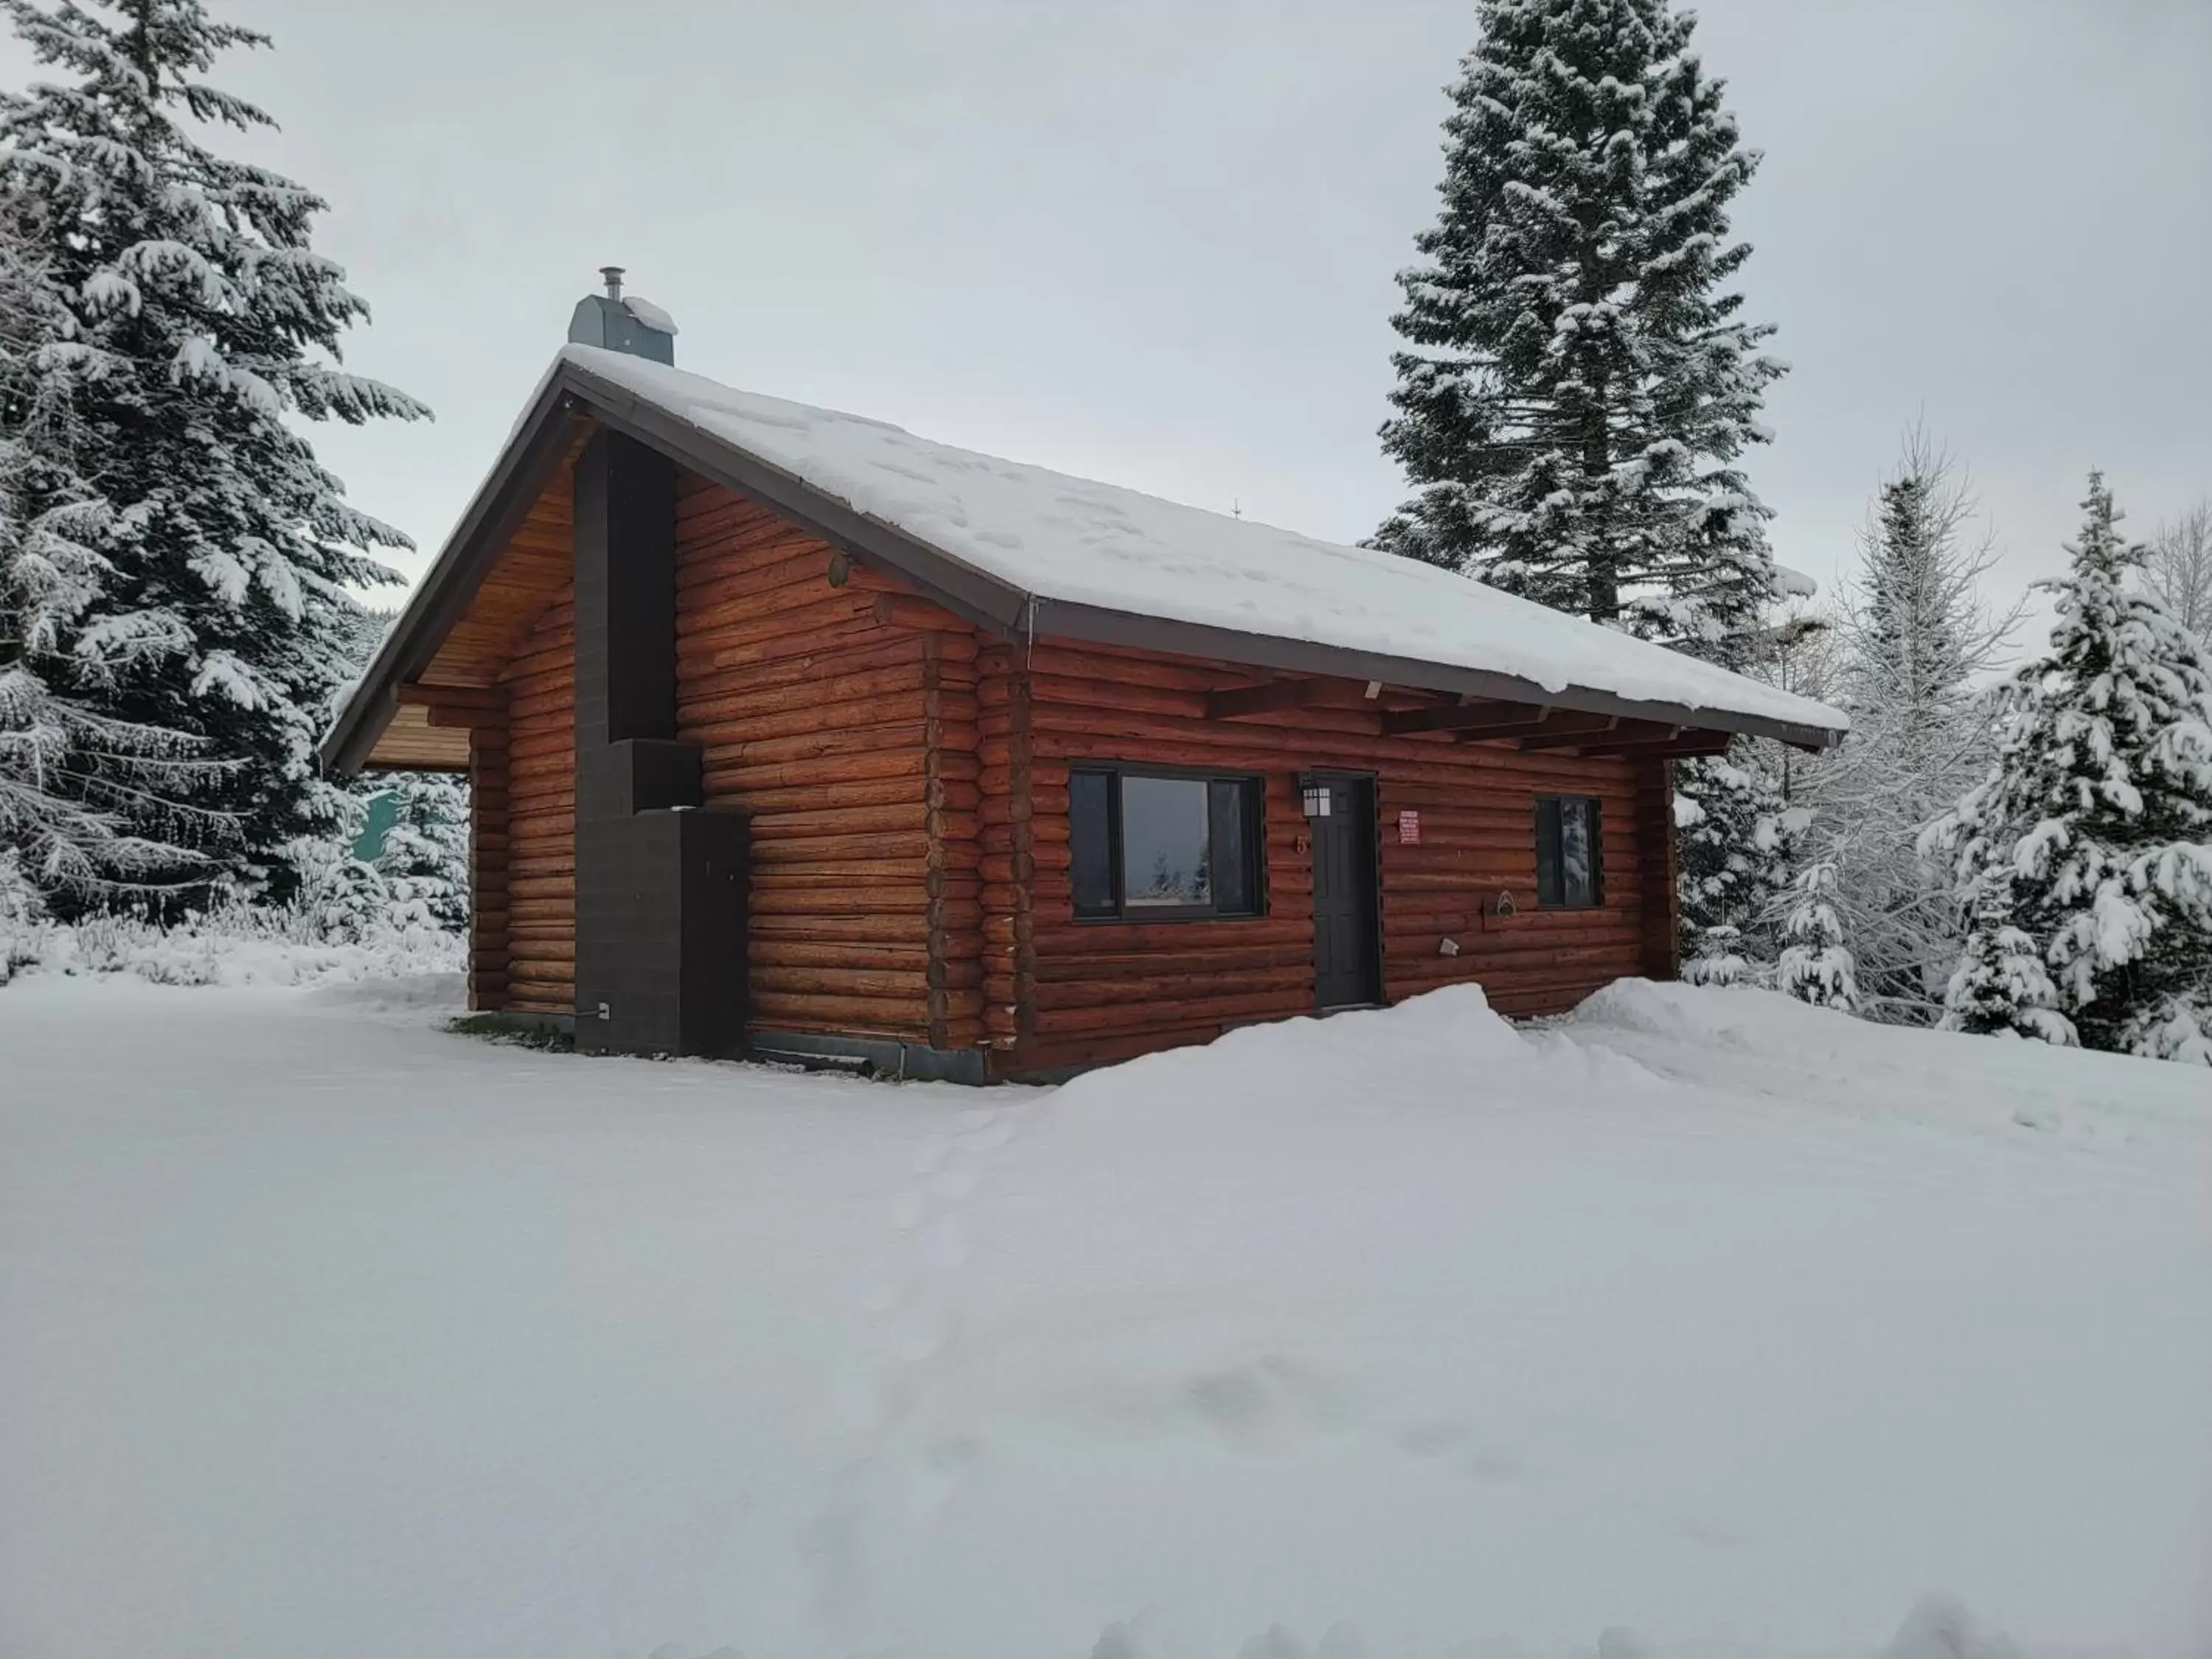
1162, 846
1567, 872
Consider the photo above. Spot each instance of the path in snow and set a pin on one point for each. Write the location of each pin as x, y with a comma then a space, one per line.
1701, 1314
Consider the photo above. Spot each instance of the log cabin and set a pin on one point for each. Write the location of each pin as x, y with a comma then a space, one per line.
789, 733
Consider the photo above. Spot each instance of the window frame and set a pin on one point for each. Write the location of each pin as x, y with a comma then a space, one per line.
1594, 807
1254, 785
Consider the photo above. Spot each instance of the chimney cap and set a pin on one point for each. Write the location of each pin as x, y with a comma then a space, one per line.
612, 274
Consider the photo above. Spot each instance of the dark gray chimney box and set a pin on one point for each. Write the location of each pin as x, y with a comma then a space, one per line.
607, 320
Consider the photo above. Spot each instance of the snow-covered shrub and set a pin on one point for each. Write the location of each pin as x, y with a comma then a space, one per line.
424, 861
1722, 963
2001, 984
342, 899
23, 921
1816, 967
235, 940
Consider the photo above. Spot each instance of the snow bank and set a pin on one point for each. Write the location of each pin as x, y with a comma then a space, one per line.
2000, 1084
409, 995
1446, 1052
236, 946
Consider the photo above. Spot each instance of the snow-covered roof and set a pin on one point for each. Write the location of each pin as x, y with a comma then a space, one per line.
1028, 549
1076, 541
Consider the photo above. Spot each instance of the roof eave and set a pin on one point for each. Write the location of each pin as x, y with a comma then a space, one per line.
1104, 626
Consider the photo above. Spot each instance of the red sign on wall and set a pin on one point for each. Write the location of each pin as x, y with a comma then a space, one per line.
1409, 828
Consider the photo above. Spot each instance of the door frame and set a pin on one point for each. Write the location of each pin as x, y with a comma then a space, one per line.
1372, 784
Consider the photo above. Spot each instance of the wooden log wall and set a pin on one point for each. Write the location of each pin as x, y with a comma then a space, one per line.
541, 807
842, 716
1060, 992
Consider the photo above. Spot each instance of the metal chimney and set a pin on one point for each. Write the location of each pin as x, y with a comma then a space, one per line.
619, 323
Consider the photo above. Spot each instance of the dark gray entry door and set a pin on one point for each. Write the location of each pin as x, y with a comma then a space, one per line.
1347, 950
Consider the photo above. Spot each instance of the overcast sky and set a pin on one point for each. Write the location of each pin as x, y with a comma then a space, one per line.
1154, 242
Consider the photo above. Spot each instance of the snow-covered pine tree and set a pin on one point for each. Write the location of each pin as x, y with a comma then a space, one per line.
1816, 965
1999, 984
2092, 837
72, 780
425, 858
192, 314
1736, 838
1915, 644
1580, 385
340, 899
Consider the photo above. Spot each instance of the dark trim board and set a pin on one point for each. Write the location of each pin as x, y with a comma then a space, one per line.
572, 395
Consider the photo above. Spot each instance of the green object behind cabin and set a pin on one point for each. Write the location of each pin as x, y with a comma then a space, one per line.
376, 823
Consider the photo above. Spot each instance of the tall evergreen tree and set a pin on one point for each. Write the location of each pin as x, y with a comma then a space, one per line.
72, 781
191, 316
1580, 385
2092, 837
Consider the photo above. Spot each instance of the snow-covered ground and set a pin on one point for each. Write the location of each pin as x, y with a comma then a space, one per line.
1702, 1316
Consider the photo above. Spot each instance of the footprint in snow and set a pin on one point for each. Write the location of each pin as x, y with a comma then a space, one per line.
956, 1184
929, 1155
908, 1209
1478, 1457
948, 1242
1267, 1405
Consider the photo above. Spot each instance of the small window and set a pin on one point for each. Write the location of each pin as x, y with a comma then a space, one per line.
1568, 875
1158, 846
